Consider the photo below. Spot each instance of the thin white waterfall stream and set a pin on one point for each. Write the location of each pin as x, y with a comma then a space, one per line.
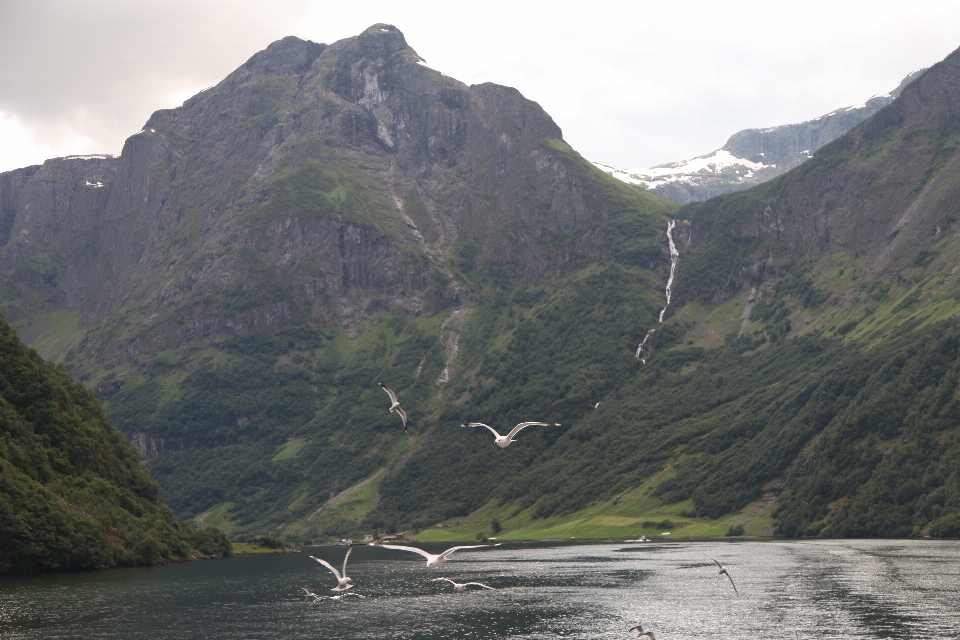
674, 254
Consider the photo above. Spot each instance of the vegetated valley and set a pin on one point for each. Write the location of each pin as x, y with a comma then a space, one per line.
331, 217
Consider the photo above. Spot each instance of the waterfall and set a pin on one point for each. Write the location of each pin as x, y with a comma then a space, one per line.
644, 343
674, 255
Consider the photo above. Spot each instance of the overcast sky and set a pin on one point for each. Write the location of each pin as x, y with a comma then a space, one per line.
632, 84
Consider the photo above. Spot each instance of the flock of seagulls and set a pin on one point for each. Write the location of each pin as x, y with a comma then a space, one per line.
433, 560
501, 441
436, 559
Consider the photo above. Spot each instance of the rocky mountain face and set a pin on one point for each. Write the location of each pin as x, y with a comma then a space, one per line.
318, 180
753, 156
316, 192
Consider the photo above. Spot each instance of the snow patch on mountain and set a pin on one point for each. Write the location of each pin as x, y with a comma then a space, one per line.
752, 156
719, 162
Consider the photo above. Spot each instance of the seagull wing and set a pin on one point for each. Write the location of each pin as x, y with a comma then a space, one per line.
731, 583
523, 425
480, 584
328, 566
345, 561
397, 547
403, 416
714, 560
480, 424
393, 396
447, 579
446, 554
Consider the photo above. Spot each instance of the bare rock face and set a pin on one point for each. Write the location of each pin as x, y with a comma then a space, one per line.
314, 181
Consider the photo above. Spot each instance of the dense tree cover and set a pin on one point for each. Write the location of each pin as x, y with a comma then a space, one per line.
861, 439
278, 423
73, 494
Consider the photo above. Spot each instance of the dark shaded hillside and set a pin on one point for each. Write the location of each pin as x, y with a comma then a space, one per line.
73, 494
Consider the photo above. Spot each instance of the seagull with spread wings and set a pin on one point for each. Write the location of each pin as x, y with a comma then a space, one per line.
337, 598
723, 571
433, 559
638, 630
504, 441
343, 581
395, 404
460, 588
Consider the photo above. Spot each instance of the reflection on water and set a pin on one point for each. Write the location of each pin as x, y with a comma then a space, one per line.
823, 589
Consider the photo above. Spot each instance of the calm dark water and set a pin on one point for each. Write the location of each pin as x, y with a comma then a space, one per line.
833, 589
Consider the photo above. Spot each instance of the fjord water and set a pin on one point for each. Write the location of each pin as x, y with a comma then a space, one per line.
823, 589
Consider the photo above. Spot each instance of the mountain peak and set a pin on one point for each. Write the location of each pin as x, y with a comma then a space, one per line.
382, 39
285, 56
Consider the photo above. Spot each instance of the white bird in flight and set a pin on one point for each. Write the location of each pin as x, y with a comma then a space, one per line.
504, 441
460, 588
723, 571
395, 405
433, 560
337, 598
640, 632
343, 581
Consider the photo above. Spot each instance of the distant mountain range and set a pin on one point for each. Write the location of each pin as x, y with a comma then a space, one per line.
752, 156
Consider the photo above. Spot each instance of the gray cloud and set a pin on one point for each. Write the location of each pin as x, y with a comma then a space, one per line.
98, 69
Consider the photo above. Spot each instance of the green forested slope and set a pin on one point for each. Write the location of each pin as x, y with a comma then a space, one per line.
73, 494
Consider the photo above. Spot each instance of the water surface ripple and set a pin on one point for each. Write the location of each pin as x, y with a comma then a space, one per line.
788, 589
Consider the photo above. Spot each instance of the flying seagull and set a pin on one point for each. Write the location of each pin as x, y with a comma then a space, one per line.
395, 405
460, 588
596, 406
337, 598
343, 582
640, 632
723, 570
433, 560
504, 441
